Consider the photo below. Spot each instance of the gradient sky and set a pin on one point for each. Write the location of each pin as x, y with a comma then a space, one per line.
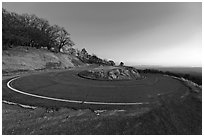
167, 34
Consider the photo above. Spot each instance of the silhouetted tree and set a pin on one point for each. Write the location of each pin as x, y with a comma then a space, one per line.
84, 52
112, 63
63, 38
121, 64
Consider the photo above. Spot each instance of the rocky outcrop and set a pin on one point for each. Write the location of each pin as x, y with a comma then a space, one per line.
115, 73
123, 73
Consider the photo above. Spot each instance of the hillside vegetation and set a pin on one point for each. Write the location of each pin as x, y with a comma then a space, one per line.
32, 31
28, 58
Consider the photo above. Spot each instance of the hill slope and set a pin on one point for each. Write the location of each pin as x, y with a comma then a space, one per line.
28, 58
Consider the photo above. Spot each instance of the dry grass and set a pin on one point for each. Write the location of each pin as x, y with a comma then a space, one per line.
27, 58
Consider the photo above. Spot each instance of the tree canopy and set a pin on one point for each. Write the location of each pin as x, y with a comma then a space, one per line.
30, 30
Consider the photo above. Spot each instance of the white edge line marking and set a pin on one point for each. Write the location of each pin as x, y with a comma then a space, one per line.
70, 101
21, 105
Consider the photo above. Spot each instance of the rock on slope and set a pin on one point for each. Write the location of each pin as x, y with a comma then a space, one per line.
28, 58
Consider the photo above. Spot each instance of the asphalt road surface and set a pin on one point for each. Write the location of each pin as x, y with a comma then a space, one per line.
67, 89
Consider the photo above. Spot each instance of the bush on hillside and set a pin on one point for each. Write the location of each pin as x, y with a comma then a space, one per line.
85, 57
121, 64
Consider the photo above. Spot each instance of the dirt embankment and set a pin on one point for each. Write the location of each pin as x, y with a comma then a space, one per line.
28, 58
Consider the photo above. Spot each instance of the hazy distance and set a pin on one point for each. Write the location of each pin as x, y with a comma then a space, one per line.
166, 34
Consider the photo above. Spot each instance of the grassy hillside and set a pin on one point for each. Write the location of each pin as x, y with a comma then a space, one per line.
28, 58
